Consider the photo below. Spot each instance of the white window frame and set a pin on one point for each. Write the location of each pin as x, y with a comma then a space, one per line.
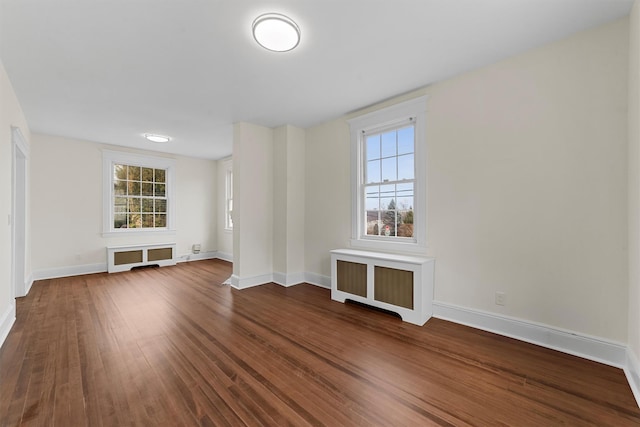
111, 158
228, 200
393, 116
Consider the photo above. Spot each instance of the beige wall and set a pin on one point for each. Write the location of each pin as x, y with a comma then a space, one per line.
253, 199
225, 237
328, 201
67, 209
527, 185
634, 183
289, 196
10, 115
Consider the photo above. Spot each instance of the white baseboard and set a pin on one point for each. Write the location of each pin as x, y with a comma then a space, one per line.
287, 280
7, 320
588, 347
249, 282
28, 283
197, 257
281, 279
76, 270
317, 280
632, 372
224, 256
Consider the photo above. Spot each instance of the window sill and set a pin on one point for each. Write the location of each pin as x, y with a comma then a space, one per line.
378, 245
138, 232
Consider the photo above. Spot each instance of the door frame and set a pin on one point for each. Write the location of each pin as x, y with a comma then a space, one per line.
18, 220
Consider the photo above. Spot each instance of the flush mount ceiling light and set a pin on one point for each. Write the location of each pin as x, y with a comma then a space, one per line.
156, 138
276, 32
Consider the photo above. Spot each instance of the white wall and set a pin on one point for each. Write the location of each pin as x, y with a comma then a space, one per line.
328, 201
633, 340
289, 203
253, 200
225, 237
527, 182
10, 115
66, 202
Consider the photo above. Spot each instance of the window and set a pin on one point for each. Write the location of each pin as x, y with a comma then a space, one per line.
229, 200
389, 178
137, 193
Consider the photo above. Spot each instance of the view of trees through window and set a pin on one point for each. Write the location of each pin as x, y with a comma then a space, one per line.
139, 197
389, 182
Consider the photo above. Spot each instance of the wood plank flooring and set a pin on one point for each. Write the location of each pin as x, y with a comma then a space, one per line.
174, 347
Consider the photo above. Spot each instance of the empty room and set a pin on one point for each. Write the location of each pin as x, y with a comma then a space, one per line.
371, 213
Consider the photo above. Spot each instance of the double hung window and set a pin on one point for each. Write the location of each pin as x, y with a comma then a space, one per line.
138, 193
389, 178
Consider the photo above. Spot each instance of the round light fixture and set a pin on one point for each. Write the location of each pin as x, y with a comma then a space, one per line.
276, 32
156, 138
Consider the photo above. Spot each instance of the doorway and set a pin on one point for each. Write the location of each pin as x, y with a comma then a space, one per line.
18, 218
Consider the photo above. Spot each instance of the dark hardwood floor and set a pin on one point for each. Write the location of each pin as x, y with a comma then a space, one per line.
172, 346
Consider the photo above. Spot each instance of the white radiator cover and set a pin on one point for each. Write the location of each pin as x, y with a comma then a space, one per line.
123, 258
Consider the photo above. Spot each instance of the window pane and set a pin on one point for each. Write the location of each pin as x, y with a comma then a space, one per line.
161, 220
120, 188
389, 172
147, 189
147, 174
389, 144
161, 205
387, 203
373, 171
134, 173
135, 220
134, 204
388, 223
138, 193
373, 228
160, 190
405, 224
147, 205
373, 147
120, 221
147, 220
404, 203
405, 140
119, 171
159, 175
134, 188
405, 167
372, 198
388, 190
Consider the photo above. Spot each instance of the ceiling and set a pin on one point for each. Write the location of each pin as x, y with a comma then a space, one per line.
111, 70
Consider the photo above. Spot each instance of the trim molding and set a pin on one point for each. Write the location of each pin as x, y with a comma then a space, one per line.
196, 257
588, 347
224, 256
249, 282
7, 320
281, 279
76, 270
28, 283
317, 280
632, 372
287, 280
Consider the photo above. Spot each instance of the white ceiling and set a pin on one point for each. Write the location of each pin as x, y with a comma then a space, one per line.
111, 70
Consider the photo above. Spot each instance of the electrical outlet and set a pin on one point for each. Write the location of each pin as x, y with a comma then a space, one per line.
501, 298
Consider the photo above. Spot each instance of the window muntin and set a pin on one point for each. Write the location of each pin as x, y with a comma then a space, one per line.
389, 182
139, 197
